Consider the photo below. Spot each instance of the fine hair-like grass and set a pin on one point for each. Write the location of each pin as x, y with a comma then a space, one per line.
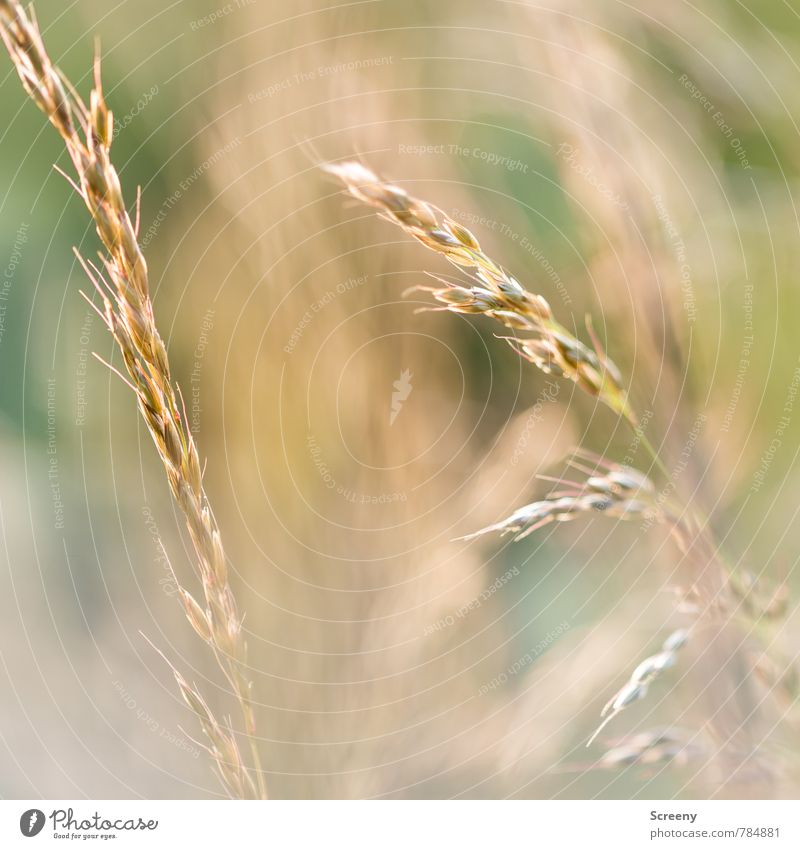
714, 595
121, 282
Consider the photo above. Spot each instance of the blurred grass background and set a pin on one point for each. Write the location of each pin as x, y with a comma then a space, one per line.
622, 196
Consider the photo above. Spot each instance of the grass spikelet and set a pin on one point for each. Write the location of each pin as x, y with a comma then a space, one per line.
651, 748
621, 492
121, 281
493, 291
645, 673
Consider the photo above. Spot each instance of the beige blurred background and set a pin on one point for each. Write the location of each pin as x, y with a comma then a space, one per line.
638, 162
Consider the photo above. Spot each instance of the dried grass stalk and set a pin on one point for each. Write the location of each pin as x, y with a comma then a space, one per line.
121, 280
492, 291
620, 492
617, 491
652, 748
645, 673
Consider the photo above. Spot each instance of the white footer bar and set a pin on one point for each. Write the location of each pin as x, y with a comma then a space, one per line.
401, 825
